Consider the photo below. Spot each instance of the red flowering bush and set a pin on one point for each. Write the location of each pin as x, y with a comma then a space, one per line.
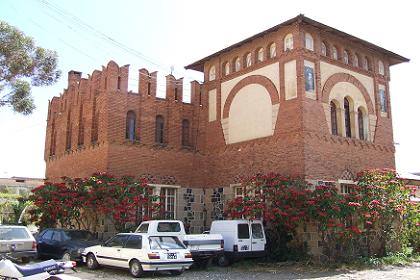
83, 202
376, 204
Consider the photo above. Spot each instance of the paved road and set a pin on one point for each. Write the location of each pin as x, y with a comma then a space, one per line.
390, 273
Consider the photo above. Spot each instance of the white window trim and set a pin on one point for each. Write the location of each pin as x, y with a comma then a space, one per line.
158, 187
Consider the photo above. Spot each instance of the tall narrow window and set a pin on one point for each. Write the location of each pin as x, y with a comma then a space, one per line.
334, 128
346, 57
237, 64
185, 133
53, 135
273, 51
356, 60
119, 83
334, 53
159, 137
130, 127
288, 42
81, 136
148, 88
260, 55
309, 79
176, 94
68, 131
309, 42
381, 68
212, 73
168, 202
383, 100
347, 117
95, 121
365, 63
361, 123
248, 60
324, 49
226, 68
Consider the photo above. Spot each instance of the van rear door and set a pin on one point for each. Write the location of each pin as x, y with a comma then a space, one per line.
244, 238
257, 237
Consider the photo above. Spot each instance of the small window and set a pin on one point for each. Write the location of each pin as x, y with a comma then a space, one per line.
365, 63
116, 241
47, 235
248, 60
383, 100
334, 128
347, 117
143, 228
226, 68
334, 53
346, 57
168, 227
356, 60
309, 79
159, 133
134, 242
237, 64
130, 132
309, 42
239, 192
260, 55
346, 188
257, 231
57, 236
323, 49
119, 83
288, 42
273, 52
243, 231
361, 122
381, 68
212, 73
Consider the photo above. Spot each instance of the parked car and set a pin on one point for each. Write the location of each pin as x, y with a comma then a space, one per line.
139, 253
243, 239
64, 244
18, 242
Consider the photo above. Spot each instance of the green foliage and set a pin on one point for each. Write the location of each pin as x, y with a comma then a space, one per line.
23, 64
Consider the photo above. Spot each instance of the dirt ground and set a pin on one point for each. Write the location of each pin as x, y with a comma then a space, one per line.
411, 272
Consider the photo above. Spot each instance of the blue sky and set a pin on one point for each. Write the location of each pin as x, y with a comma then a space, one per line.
159, 34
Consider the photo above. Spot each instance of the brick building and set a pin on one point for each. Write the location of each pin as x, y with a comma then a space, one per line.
300, 98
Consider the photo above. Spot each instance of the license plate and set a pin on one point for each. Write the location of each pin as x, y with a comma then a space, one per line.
171, 256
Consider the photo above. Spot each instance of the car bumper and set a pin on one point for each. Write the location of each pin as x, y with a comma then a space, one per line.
155, 266
24, 254
205, 254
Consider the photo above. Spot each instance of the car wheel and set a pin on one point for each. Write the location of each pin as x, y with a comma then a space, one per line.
135, 268
176, 272
91, 261
66, 256
222, 260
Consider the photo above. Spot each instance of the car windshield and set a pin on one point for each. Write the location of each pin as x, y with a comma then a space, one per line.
78, 235
13, 233
165, 242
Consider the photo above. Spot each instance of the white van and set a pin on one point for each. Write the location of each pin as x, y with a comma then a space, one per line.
242, 239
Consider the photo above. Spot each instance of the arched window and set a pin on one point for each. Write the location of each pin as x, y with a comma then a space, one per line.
260, 55
346, 57
361, 122
212, 73
237, 64
334, 52
347, 117
365, 63
288, 42
130, 126
248, 60
381, 67
334, 127
226, 68
383, 100
324, 49
309, 42
356, 60
273, 51
185, 133
159, 132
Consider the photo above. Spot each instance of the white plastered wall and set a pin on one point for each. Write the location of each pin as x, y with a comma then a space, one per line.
212, 105
251, 115
290, 79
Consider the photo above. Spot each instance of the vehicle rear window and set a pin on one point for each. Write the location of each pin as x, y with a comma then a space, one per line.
13, 233
133, 242
257, 231
78, 235
243, 231
165, 242
168, 227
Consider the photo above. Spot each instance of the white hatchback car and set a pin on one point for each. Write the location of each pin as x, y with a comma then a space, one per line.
140, 252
